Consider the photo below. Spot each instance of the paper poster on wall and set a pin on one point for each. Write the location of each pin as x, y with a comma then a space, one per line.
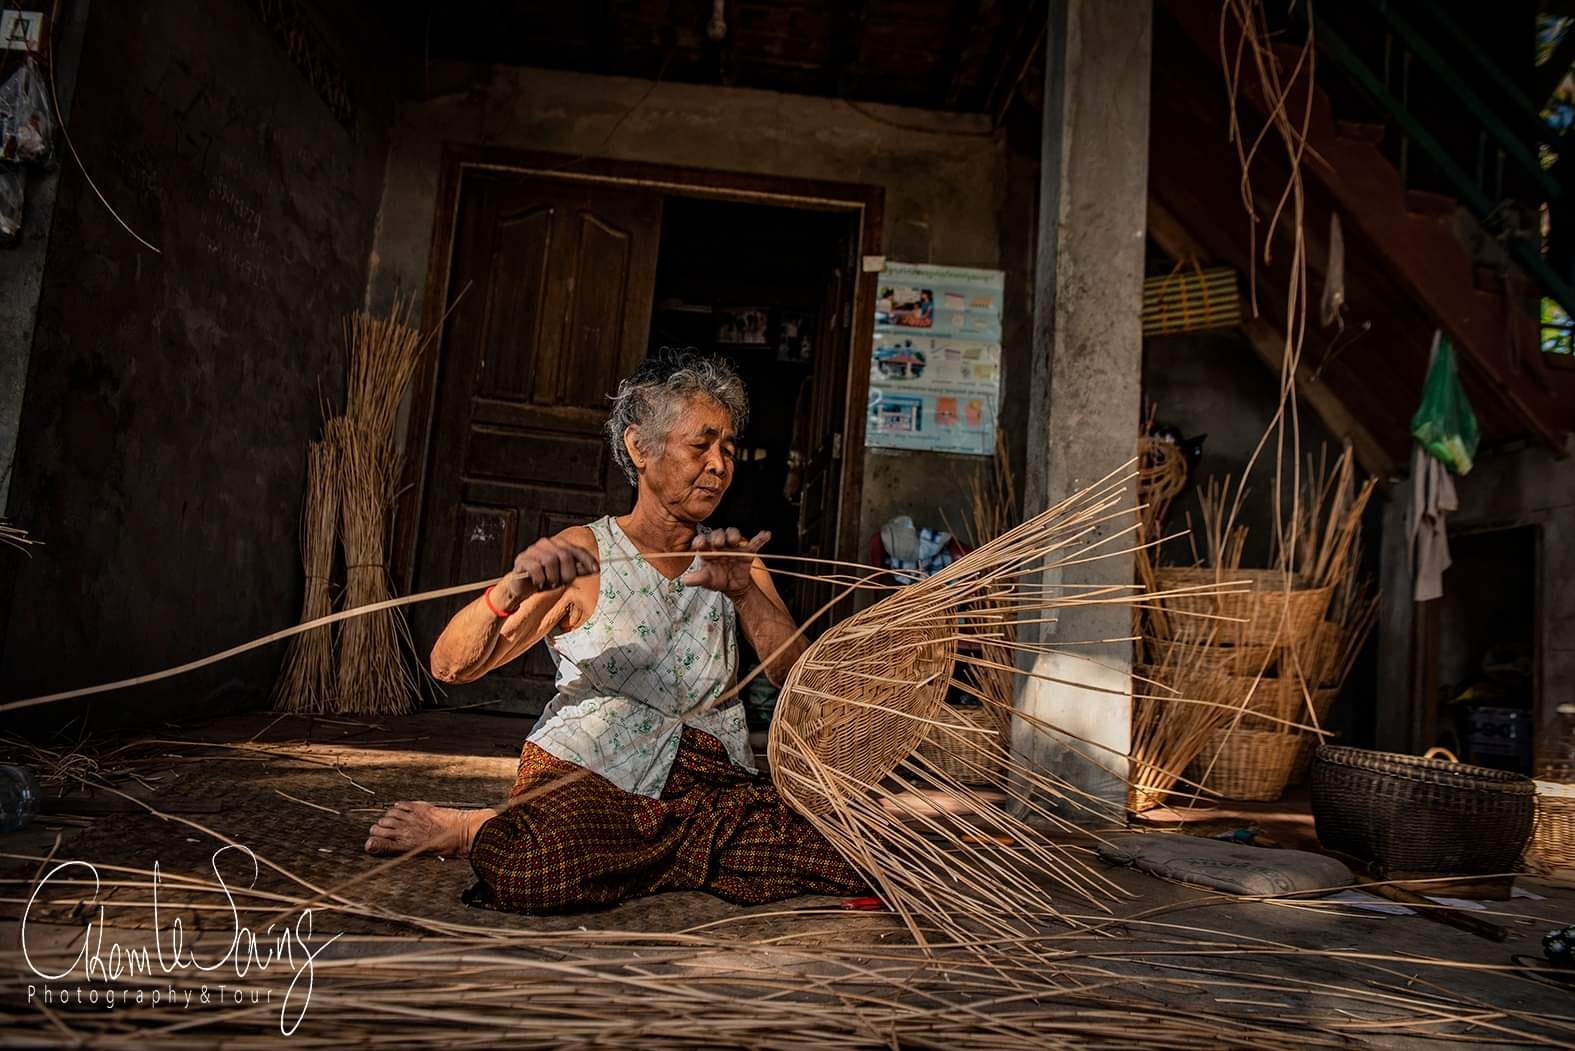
946, 423
935, 373
945, 301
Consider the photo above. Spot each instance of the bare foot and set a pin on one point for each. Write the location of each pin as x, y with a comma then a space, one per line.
432, 829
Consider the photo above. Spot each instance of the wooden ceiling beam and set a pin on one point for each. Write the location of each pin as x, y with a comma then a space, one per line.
850, 44
971, 42
1017, 59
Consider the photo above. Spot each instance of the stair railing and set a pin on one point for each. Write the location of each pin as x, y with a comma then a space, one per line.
1471, 190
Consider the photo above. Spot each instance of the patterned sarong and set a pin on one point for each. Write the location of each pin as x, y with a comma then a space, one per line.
587, 843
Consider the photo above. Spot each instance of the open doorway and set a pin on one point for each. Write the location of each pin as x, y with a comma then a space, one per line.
760, 286
1487, 649
748, 283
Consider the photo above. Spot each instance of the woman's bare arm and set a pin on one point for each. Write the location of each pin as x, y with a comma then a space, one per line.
767, 624
538, 594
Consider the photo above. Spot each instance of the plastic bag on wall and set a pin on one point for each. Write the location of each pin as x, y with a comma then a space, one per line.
1444, 423
27, 128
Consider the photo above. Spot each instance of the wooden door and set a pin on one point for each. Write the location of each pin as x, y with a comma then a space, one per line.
822, 439
561, 277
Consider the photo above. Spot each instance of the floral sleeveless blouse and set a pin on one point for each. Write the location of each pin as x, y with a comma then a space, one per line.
651, 650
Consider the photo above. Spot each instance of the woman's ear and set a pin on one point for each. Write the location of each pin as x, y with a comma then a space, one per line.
632, 446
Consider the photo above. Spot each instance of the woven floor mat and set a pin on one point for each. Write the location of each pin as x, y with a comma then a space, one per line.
305, 809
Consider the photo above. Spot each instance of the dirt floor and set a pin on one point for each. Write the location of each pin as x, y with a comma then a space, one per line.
301, 793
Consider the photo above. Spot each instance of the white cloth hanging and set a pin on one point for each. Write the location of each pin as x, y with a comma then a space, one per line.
1432, 498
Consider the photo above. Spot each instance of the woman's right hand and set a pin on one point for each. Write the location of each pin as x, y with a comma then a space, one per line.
549, 563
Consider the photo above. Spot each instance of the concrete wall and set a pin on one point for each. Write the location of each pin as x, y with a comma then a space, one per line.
951, 197
170, 396
1212, 383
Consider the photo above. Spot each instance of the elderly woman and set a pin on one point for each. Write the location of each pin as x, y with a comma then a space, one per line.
631, 781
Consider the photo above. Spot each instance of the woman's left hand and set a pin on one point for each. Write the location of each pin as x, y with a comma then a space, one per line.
730, 575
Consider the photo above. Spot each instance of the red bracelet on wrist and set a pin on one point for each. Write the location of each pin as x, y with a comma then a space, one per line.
486, 596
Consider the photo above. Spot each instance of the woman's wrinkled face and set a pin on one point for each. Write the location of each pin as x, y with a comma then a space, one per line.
695, 466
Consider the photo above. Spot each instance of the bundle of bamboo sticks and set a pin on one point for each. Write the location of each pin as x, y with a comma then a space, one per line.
11, 536
306, 683
350, 479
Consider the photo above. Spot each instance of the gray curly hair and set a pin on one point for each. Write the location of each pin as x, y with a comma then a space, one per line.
653, 398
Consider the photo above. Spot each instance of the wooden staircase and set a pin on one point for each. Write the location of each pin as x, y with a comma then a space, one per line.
1492, 325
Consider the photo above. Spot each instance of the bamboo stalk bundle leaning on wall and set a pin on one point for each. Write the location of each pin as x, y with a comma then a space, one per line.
350, 479
307, 682
373, 676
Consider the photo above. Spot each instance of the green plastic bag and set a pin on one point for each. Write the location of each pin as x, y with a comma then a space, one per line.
1444, 423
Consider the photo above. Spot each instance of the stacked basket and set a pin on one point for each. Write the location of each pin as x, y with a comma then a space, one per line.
1257, 627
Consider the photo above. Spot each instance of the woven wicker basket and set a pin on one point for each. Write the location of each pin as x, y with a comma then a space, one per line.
1247, 764
968, 758
1553, 837
1264, 615
1317, 654
1405, 814
1144, 792
1232, 660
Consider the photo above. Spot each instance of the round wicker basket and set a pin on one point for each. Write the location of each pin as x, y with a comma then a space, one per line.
859, 703
1316, 655
1553, 835
1248, 764
1231, 660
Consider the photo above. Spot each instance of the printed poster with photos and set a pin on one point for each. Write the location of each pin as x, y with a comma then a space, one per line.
935, 375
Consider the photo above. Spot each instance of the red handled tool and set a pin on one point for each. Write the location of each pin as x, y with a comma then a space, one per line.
869, 904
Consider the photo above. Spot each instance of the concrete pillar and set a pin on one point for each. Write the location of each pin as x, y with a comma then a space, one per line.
1087, 365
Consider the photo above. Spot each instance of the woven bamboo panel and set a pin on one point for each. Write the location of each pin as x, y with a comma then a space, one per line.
862, 702
1191, 301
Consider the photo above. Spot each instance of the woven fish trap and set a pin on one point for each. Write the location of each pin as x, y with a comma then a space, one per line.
860, 702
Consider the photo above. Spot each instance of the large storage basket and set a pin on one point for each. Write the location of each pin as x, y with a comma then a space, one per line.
1404, 814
